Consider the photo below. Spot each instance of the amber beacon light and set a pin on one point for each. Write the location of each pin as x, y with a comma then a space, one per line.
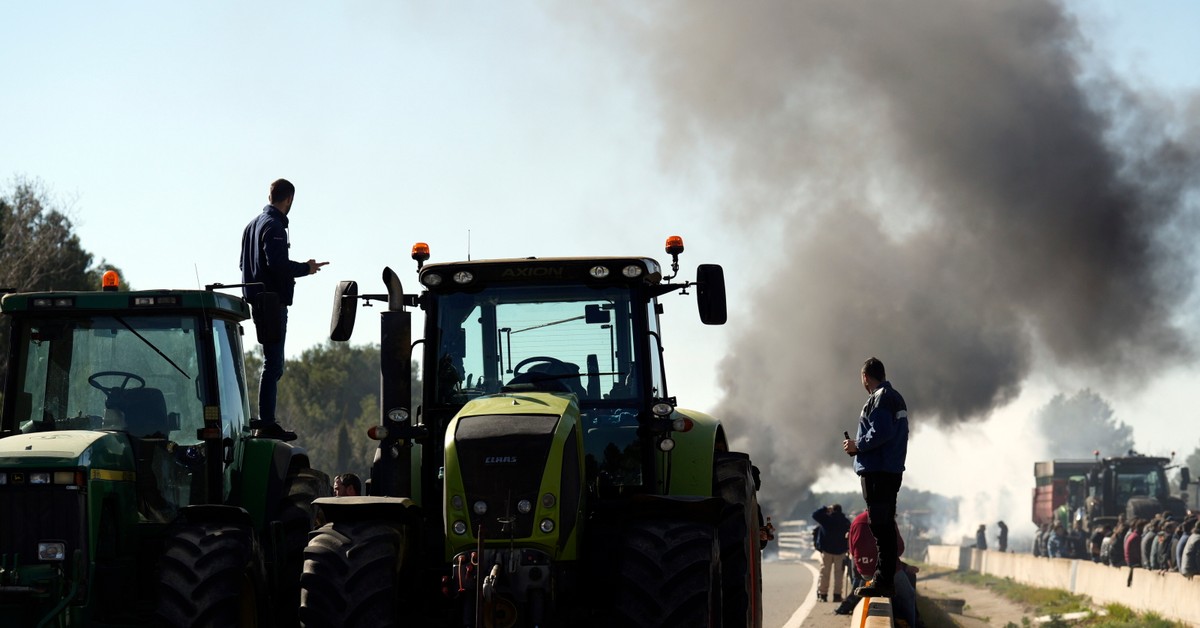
110, 281
674, 245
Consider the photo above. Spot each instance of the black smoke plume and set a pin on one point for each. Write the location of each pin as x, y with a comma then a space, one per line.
963, 191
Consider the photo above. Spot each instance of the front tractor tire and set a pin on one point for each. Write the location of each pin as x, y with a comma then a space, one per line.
352, 575
210, 576
668, 575
297, 518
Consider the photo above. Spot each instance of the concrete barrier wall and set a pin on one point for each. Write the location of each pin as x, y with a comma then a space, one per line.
1170, 595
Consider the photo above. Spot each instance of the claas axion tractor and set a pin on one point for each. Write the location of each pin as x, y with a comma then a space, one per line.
548, 478
132, 490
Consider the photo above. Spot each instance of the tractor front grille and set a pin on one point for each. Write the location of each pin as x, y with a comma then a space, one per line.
503, 458
30, 514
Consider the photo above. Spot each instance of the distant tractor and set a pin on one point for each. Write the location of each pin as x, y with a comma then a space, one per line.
1098, 491
549, 478
131, 492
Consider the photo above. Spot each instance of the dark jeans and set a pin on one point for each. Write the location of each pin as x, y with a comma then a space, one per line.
879, 491
268, 385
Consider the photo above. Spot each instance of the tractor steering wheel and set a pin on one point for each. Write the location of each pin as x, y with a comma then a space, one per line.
537, 359
109, 390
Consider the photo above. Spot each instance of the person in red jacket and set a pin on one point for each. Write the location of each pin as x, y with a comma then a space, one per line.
866, 560
1133, 544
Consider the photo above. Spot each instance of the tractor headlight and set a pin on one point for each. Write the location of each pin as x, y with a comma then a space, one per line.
632, 271
661, 409
463, 277
524, 506
460, 528
431, 279
457, 502
39, 477
598, 272
64, 477
546, 526
52, 550
549, 500
480, 507
666, 444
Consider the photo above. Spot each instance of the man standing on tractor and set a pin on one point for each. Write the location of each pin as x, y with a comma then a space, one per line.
879, 449
265, 261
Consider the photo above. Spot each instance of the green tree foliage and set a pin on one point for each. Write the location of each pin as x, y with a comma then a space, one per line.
39, 249
1078, 425
330, 398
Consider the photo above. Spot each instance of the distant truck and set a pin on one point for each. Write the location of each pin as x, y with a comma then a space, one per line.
1101, 490
1061, 487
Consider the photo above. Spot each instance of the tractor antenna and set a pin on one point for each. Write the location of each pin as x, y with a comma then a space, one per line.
468, 245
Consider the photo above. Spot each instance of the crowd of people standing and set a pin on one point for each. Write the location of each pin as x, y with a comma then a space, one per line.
1158, 543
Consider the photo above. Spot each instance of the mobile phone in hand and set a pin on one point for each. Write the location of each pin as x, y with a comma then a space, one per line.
846, 434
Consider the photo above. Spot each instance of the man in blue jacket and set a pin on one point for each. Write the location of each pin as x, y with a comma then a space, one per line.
879, 449
833, 528
265, 261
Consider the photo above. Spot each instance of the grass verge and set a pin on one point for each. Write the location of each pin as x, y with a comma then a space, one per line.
1057, 602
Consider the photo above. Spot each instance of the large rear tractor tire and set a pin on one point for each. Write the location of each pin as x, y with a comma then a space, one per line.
210, 576
297, 518
668, 575
741, 556
351, 576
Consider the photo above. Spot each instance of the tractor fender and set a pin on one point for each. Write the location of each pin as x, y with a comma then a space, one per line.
400, 510
691, 461
266, 464
214, 513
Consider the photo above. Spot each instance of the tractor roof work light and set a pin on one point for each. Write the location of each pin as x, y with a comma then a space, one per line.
110, 281
420, 253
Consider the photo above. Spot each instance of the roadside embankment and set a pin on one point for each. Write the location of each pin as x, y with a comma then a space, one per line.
1169, 595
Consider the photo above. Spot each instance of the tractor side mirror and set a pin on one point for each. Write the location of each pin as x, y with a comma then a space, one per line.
1185, 478
267, 314
710, 294
345, 307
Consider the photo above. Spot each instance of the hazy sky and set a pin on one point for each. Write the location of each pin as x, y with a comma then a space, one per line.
523, 124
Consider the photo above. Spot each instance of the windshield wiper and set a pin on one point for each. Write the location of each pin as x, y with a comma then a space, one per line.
151, 345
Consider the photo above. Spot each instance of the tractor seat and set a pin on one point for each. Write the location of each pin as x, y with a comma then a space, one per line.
145, 411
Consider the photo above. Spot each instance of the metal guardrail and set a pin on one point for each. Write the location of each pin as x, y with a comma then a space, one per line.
794, 539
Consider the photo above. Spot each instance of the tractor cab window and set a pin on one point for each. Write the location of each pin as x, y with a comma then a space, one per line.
576, 340
138, 375
658, 381
1141, 483
231, 377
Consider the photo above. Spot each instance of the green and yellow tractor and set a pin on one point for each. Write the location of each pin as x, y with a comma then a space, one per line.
132, 492
548, 478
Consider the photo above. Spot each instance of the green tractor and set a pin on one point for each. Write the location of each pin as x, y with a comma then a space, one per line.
548, 478
131, 489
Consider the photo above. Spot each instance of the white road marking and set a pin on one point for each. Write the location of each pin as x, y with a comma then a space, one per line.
810, 602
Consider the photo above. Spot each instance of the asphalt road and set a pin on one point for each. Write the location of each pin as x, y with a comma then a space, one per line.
786, 587
790, 598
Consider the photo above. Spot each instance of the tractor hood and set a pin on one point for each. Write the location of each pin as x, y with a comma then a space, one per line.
71, 448
513, 470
